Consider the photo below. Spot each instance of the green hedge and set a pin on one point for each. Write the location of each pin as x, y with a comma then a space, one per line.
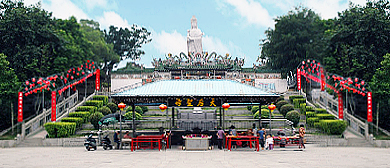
249, 108
96, 103
311, 121
60, 129
293, 116
298, 101
77, 120
113, 107
104, 110
280, 104
81, 114
138, 109
264, 114
102, 98
310, 114
333, 127
309, 108
292, 97
264, 107
325, 116
302, 108
91, 109
254, 109
129, 116
320, 110
94, 119
285, 109
144, 109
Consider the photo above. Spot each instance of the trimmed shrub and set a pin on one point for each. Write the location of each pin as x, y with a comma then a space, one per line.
280, 98
255, 109
80, 114
317, 125
311, 121
113, 107
309, 108
264, 107
310, 114
264, 114
144, 109
297, 102
138, 109
96, 103
60, 129
292, 97
104, 110
102, 98
302, 107
293, 116
249, 108
320, 110
77, 120
325, 116
91, 109
94, 119
280, 104
129, 116
333, 127
285, 109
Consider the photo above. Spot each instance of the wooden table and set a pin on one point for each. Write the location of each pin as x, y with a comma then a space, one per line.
249, 139
147, 139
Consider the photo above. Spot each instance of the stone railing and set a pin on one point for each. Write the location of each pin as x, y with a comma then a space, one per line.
330, 103
36, 123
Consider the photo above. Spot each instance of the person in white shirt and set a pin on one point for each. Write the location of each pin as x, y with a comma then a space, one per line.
269, 142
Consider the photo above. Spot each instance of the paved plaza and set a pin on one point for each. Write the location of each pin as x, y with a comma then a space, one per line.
290, 157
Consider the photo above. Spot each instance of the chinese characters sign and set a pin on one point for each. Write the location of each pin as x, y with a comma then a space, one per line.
20, 106
53, 106
194, 102
341, 108
299, 79
369, 107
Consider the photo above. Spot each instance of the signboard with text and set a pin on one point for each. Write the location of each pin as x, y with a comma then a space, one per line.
194, 102
20, 107
369, 107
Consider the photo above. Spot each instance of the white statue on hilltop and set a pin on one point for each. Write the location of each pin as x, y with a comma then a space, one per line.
194, 38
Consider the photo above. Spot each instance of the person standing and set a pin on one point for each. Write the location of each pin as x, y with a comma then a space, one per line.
270, 142
116, 139
301, 135
220, 135
261, 137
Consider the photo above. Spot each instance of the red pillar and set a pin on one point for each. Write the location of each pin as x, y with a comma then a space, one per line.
299, 79
20, 106
341, 108
53, 106
97, 81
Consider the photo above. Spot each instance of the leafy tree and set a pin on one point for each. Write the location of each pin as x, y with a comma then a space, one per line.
359, 40
296, 37
9, 86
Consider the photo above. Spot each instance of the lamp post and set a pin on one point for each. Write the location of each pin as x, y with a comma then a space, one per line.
121, 107
225, 107
271, 108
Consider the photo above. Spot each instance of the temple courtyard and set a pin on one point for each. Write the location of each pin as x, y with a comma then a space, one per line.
312, 156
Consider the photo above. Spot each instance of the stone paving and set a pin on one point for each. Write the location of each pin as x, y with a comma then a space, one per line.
312, 156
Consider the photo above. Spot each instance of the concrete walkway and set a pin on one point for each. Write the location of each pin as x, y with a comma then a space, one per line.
290, 157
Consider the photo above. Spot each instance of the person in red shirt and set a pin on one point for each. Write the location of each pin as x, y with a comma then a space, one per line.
301, 135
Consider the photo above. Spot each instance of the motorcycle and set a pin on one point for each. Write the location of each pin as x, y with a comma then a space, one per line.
90, 143
106, 143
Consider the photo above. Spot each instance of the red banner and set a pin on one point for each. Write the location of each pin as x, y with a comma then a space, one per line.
341, 108
369, 107
322, 80
53, 106
97, 81
20, 106
299, 79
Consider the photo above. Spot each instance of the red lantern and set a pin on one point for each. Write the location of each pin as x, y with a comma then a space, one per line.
362, 82
121, 106
25, 94
78, 74
71, 77
272, 107
225, 106
88, 61
83, 73
162, 107
356, 79
27, 82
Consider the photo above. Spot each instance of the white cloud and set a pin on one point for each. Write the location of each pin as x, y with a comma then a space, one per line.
112, 18
213, 44
165, 43
253, 12
105, 4
64, 9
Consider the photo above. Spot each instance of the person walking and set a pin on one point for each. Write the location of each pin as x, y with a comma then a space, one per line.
116, 139
220, 135
261, 133
301, 135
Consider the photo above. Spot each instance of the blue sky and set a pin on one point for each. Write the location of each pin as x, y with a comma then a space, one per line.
229, 26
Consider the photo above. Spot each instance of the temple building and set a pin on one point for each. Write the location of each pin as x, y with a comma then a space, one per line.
197, 64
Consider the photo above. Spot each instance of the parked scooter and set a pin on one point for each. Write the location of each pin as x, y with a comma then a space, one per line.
90, 143
106, 143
